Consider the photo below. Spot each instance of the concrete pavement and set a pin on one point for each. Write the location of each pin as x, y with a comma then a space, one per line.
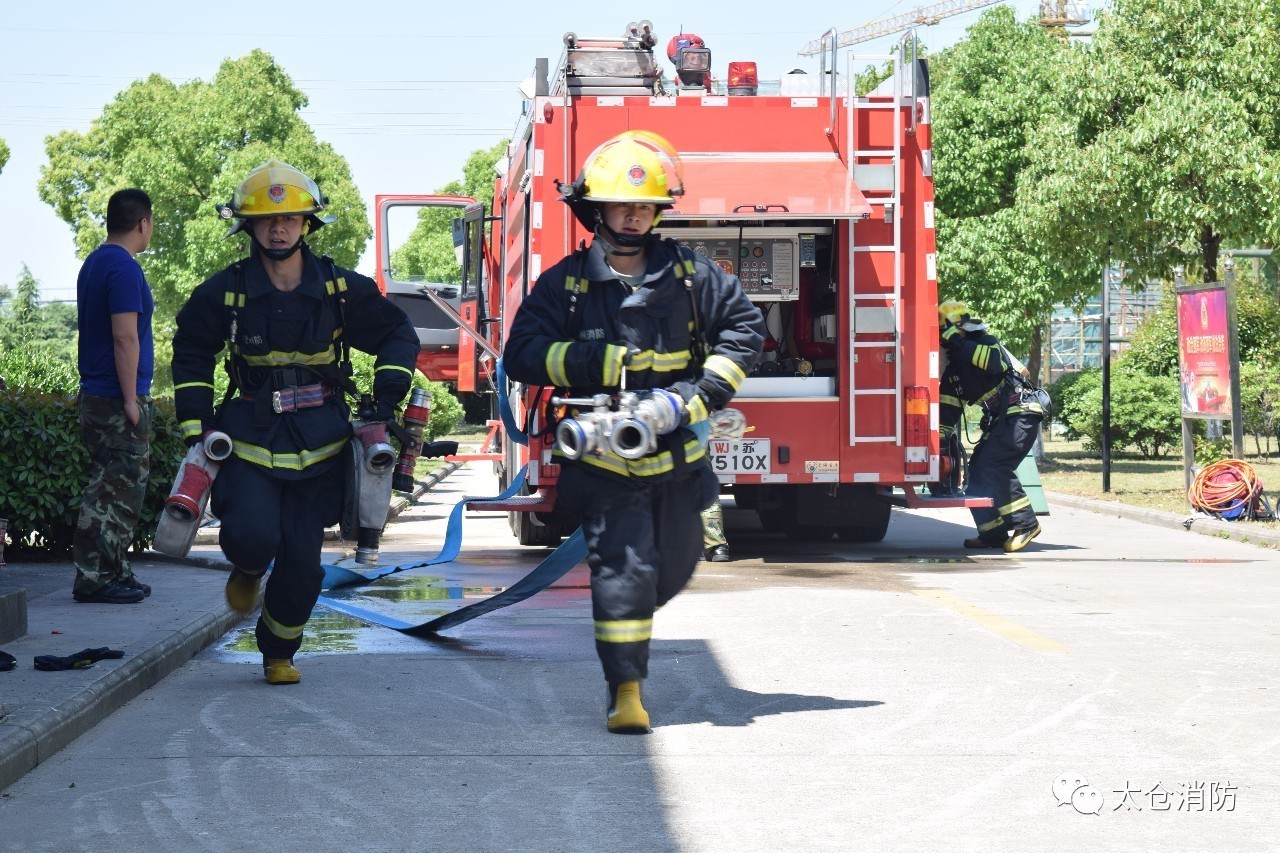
40, 712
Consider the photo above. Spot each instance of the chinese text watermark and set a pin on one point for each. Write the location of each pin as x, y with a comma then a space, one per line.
1194, 796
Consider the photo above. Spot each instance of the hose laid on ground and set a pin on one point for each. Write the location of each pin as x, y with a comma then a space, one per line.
1226, 488
556, 564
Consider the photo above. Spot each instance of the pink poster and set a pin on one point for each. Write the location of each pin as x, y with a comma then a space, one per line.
1202, 350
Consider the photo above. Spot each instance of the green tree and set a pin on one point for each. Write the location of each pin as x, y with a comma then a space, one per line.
1170, 143
428, 252
1260, 401
31, 329
4, 154
189, 146
988, 92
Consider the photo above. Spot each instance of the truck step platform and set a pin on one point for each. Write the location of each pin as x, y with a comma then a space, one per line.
910, 499
537, 502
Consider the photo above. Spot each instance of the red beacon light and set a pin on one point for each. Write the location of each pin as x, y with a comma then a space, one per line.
743, 78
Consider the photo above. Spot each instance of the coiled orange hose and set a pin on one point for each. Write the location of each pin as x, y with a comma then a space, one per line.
1224, 486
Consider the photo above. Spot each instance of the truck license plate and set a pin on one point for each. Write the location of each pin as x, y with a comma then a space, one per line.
740, 455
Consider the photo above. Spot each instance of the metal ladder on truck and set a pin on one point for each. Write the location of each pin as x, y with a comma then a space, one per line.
874, 311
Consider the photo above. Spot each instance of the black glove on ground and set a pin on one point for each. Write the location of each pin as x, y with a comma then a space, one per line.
80, 660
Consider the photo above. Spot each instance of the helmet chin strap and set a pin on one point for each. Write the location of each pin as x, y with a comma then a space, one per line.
624, 245
276, 254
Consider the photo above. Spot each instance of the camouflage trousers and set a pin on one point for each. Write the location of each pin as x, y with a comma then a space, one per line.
713, 526
119, 463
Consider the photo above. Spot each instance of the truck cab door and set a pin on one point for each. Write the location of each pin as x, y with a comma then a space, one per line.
468, 241
418, 254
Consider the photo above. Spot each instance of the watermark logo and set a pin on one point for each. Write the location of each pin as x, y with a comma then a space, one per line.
1196, 796
1075, 790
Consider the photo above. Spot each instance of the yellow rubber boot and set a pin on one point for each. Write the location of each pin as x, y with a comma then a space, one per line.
627, 715
280, 671
1021, 538
242, 590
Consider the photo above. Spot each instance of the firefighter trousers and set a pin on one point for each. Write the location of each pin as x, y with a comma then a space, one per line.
991, 475
643, 542
264, 519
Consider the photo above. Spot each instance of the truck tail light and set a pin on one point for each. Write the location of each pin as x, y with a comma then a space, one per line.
917, 458
743, 78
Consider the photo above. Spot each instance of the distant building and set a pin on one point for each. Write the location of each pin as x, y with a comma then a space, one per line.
1075, 337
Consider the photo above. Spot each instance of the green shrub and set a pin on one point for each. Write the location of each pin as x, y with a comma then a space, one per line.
1260, 402
1146, 412
1209, 450
44, 469
44, 466
1066, 394
446, 411
38, 369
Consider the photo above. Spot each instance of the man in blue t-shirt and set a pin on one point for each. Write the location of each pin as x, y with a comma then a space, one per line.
114, 308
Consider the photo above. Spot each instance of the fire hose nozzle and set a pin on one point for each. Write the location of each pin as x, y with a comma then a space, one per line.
217, 446
416, 416
379, 457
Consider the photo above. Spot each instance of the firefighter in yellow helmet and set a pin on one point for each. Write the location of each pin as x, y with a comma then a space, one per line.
286, 319
979, 372
636, 314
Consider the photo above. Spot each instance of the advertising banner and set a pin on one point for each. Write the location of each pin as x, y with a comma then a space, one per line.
1203, 354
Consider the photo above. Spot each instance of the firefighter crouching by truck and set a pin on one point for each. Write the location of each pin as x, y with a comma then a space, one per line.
287, 318
635, 314
979, 372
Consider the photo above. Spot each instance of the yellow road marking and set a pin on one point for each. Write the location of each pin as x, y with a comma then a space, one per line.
996, 624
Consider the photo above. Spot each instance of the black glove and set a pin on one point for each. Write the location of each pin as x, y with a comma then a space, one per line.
192, 440
384, 411
951, 335
80, 660
436, 449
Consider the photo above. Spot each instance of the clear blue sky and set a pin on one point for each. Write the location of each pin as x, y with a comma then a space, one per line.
404, 90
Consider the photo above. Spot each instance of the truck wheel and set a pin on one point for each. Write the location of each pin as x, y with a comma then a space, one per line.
528, 533
873, 522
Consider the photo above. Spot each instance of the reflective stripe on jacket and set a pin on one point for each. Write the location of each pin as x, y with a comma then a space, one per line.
583, 353
283, 339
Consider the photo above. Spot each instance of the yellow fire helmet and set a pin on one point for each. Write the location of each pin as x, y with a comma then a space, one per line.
276, 189
634, 166
952, 311
956, 312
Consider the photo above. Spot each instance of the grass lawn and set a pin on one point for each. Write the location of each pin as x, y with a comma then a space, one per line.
469, 438
1151, 483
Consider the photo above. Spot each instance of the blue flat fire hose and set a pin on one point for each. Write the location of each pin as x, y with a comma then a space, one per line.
556, 564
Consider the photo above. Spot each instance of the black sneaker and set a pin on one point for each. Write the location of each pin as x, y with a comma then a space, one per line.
112, 593
133, 583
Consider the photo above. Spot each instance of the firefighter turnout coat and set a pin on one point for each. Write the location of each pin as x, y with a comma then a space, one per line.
978, 373
285, 353
580, 324
640, 517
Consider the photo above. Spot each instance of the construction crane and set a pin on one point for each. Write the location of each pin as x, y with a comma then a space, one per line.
1057, 15
923, 15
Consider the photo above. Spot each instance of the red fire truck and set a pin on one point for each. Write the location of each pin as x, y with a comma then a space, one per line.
821, 203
